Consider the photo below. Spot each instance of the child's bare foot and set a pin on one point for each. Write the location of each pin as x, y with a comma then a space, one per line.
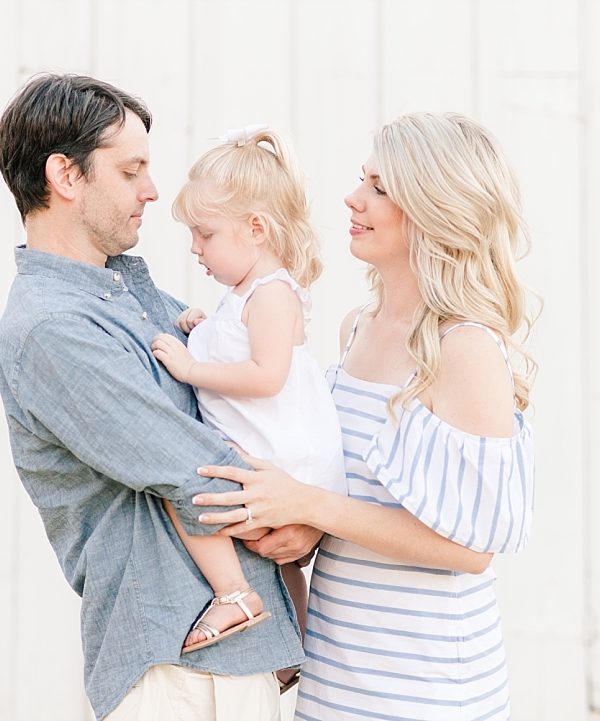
224, 613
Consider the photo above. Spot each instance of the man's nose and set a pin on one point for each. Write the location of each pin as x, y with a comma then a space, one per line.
149, 191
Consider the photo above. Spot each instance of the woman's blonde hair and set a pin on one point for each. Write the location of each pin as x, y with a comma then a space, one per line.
259, 177
462, 213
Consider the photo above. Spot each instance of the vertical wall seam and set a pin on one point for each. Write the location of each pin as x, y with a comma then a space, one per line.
93, 54
475, 59
293, 60
191, 97
13, 594
586, 348
379, 64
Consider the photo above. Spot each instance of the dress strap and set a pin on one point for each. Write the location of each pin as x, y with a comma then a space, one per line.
352, 334
497, 339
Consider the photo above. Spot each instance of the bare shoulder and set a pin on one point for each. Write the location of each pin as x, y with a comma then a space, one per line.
276, 308
346, 326
276, 292
474, 390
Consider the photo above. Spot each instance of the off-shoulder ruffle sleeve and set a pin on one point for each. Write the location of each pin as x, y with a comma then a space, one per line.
474, 490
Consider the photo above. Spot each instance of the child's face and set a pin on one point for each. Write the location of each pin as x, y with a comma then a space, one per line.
225, 247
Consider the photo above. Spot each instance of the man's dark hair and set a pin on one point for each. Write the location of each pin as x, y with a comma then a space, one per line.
66, 114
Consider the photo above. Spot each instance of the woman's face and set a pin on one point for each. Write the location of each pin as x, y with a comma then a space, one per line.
377, 228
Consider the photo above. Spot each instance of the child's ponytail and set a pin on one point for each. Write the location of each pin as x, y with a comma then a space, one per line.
257, 174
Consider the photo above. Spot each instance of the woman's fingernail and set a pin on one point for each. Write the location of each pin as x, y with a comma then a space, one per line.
201, 517
201, 471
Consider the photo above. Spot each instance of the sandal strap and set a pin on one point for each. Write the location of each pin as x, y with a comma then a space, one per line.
208, 630
236, 597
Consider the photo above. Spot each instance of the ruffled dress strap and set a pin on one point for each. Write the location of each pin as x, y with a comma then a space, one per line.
281, 274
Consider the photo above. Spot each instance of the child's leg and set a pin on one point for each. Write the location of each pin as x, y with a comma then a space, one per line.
215, 556
295, 580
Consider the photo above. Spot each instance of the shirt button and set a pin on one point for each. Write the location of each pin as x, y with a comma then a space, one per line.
116, 276
107, 296
125, 289
144, 315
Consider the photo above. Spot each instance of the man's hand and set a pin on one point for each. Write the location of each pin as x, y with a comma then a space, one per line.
189, 319
173, 354
287, 544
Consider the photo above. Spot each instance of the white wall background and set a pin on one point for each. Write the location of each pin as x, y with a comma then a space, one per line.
327, 73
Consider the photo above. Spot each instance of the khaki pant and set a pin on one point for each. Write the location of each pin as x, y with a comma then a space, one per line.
176, 693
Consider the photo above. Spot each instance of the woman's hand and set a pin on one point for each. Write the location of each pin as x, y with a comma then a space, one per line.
273, 497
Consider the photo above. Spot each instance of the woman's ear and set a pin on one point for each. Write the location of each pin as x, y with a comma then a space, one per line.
62, 175
259, 228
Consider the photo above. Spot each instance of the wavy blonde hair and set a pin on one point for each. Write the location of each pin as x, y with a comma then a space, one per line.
462, 215
260, 177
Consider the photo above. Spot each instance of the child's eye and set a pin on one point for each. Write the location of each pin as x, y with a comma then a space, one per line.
131, 175
361, 178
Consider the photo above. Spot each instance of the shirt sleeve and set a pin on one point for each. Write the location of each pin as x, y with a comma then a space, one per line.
82, 389
474, 490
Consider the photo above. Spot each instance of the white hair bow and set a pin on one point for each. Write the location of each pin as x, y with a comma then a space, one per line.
240, 136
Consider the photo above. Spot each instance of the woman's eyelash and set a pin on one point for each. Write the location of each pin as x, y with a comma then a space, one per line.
378, 190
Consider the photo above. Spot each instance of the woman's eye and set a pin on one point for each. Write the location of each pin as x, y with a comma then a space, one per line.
379, 191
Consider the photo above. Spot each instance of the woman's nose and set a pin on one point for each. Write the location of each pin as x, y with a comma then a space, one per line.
352, 200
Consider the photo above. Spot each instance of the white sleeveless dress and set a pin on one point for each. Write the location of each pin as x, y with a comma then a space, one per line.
393, 642
297, 429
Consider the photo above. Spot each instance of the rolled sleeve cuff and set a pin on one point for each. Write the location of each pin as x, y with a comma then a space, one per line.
188, 513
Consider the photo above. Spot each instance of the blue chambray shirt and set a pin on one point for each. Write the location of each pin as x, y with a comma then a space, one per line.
100, 432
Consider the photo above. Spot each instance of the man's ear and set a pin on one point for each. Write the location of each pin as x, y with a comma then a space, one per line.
62, 175
259, 227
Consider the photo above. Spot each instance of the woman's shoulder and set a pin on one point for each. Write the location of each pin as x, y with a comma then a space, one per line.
474, 389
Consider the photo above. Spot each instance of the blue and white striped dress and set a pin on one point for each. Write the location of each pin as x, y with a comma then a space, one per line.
393, 642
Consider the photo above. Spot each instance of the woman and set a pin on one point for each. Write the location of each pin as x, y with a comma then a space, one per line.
403, 623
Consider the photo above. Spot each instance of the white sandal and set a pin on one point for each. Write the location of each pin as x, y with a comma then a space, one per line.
213, 634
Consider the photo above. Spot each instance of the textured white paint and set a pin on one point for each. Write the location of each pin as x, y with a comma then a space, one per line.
326, 73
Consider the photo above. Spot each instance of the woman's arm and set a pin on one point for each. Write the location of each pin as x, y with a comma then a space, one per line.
276, 500
273, 313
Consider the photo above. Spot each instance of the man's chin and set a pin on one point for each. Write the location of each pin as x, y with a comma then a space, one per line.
128, 245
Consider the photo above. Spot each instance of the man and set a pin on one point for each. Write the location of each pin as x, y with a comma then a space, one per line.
101, 433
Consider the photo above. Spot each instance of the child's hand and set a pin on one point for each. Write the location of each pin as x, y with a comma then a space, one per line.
189, 319
173, 354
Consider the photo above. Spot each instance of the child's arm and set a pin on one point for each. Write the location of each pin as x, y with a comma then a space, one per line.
274, 320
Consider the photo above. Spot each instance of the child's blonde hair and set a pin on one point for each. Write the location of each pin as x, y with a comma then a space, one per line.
256, 178
462, 213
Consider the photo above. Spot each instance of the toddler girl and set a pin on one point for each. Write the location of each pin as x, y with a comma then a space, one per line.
256, 381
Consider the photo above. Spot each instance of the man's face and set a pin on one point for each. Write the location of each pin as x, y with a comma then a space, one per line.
113, 196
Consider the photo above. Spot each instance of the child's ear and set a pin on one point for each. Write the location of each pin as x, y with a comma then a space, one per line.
259, 228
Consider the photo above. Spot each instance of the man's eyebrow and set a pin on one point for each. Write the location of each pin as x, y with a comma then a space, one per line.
135, 160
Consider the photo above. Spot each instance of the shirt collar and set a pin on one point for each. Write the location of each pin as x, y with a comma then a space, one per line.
90, 278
